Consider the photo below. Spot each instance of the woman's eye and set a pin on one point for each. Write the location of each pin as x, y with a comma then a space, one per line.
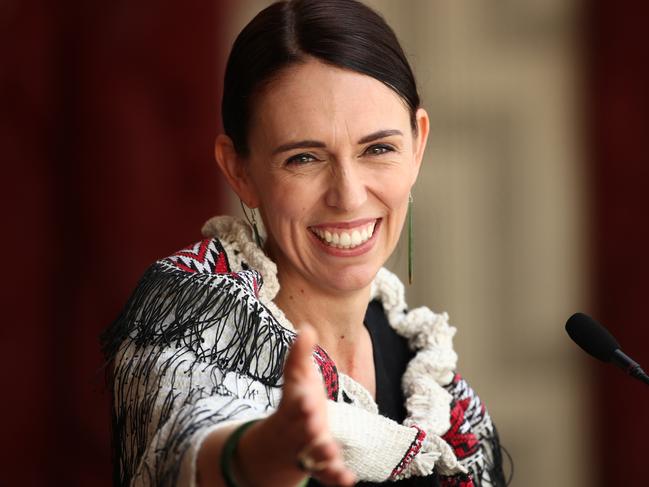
378, 149
300, 159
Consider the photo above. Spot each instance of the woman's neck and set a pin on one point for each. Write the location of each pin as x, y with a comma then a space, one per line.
337, 317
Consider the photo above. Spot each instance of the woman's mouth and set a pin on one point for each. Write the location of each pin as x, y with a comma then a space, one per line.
345, 238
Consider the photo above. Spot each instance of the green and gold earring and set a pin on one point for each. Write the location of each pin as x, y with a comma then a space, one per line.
253, 223
410, 239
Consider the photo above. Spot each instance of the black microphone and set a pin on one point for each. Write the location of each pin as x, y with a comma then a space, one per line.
597, 341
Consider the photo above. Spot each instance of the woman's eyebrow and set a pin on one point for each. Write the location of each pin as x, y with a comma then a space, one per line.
379, 135
302, 144
310, 144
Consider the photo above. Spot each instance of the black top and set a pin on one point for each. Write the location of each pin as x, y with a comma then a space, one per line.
391, 356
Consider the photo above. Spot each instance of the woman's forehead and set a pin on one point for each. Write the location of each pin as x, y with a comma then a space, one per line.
315, 99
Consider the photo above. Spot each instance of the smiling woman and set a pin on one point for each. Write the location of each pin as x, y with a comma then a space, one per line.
323, 160
324, 137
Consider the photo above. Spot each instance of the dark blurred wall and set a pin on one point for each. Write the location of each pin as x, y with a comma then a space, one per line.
618, 114
108, 115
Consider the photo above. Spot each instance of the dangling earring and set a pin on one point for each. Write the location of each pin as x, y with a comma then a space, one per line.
410, 239
253, 223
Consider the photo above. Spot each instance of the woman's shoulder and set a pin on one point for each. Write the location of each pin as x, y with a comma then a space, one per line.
205, 300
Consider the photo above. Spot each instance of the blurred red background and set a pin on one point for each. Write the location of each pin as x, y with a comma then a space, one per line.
617, 117
109, 111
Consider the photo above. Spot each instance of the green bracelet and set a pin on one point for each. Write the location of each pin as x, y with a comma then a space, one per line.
229, 450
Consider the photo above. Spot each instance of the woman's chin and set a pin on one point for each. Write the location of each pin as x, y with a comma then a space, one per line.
350, 279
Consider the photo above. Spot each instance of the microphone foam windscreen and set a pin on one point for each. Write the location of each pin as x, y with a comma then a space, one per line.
592, 337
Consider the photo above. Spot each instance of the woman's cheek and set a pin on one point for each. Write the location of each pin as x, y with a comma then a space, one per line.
283, 210
392, 190
290, 203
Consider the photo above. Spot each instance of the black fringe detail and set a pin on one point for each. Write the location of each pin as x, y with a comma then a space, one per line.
485, 466
159, 341
494, 461
173, 308
489, 472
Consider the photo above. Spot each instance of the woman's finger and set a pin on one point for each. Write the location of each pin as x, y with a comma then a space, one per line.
323, 460
335, 474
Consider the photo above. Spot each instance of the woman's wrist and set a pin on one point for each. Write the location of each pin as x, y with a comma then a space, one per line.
261, 460
229, 453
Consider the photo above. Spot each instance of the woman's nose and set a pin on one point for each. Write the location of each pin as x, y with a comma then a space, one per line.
346, 189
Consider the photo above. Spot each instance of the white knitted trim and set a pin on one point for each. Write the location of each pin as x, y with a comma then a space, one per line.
232, 229
427, 402
366, 436
362, 397
372, 445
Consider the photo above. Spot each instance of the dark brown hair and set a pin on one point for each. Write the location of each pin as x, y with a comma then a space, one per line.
343, 33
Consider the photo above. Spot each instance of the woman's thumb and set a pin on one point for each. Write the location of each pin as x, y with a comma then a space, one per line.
299, 362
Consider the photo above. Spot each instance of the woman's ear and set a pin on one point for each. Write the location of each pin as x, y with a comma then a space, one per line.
235, 170
423, 127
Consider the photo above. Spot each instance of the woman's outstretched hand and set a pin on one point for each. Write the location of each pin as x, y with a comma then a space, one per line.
295, 440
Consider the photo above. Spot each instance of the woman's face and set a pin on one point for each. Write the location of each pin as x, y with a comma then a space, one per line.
332, 160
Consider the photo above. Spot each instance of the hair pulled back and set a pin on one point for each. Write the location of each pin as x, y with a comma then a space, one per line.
343, 33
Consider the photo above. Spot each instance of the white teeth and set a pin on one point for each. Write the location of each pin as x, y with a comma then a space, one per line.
346, 240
